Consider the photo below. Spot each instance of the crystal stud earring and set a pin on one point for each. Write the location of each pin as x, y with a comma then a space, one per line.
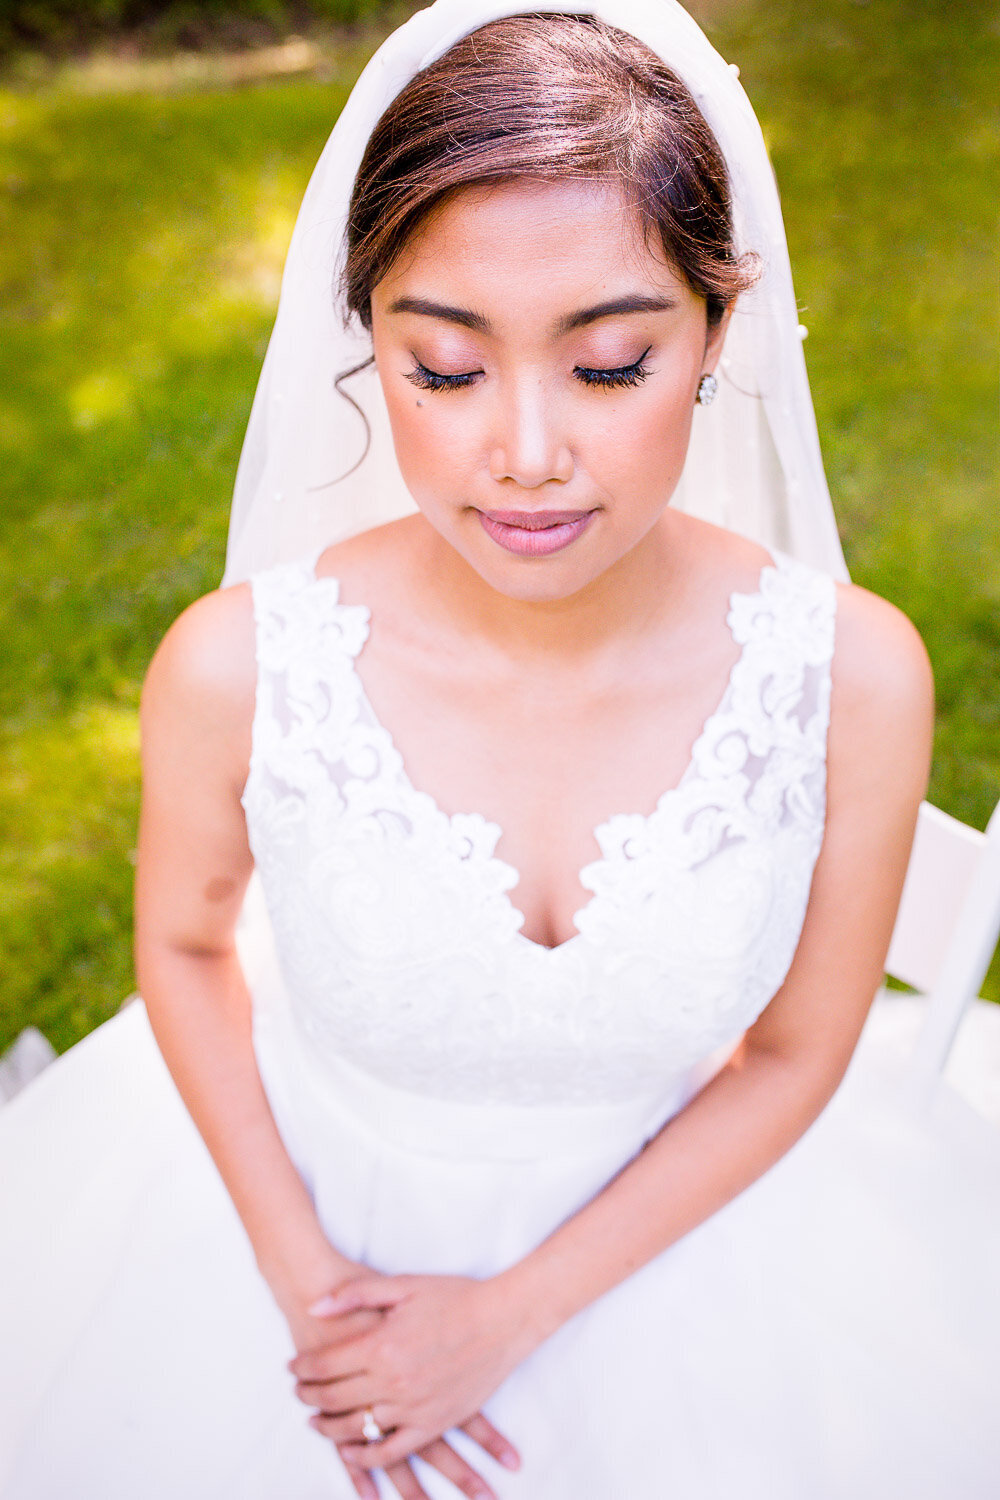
708, 389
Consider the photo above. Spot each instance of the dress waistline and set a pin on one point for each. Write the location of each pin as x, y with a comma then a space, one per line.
495, 1130
302, 1078
454, 1129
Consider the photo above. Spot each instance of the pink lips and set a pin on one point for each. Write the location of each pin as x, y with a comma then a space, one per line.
534, 533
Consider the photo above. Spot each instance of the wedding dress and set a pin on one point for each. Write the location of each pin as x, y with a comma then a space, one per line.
451, 1090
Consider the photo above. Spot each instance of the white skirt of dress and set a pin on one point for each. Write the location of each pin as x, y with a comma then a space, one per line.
833, 1334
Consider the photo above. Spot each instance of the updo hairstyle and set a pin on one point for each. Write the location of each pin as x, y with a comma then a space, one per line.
548, 97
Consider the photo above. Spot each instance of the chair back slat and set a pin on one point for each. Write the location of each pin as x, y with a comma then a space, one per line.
947, 927
943, 864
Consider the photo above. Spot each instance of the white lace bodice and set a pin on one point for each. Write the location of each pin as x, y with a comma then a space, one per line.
400, 946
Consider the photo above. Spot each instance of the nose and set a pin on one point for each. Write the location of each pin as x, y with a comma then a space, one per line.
530, 447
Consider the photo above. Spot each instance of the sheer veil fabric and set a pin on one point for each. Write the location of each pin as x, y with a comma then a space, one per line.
754, 464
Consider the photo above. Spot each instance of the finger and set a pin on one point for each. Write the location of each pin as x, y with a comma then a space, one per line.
442, 1456
363, 1483
406, 1482
337, 1429
335, 1397
348, 1428
366, 1291
394, 1447
334, 1362
348, 1326
482, 1431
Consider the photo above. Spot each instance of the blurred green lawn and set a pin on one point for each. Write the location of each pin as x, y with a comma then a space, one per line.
141, 240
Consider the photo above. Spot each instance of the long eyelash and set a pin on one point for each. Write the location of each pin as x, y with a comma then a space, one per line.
610, 380
618, 379
430, 380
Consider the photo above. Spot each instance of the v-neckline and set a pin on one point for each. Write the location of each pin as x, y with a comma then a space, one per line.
603, 828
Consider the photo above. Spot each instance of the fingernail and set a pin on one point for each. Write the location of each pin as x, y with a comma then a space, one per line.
509, 1459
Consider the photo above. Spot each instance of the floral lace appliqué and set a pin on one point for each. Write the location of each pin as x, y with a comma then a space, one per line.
396, 934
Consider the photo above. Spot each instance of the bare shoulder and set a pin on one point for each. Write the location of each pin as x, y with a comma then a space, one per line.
882, 709
205, 666
197, 716
377, 567
381, 549
880, 663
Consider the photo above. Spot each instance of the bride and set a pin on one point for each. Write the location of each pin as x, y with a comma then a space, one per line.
580, 797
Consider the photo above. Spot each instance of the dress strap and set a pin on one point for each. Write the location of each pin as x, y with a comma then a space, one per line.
787, 631
301, 627
791, 595
306, 642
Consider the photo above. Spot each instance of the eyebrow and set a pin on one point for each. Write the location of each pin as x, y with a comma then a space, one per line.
465, 318
617, 308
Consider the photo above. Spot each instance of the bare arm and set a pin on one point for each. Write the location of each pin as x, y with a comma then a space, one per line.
751, 1113
792, 1059
194, 864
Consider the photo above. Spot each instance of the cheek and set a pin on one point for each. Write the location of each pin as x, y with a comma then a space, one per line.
414, 434
411, 418
645, 439
430, 437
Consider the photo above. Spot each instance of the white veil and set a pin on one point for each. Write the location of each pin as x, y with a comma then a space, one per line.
754, 463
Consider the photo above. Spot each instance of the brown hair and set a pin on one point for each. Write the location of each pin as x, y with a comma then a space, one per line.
547, 97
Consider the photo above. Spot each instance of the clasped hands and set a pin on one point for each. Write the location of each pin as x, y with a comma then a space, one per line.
422, 1353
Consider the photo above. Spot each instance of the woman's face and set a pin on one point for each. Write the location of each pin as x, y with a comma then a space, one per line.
540, 365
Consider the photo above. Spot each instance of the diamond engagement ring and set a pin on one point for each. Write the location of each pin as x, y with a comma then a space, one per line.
370, 1430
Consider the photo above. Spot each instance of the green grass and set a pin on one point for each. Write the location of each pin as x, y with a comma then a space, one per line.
69, 24
889, 190
141, 239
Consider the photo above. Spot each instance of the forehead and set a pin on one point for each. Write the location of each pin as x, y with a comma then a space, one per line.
533, 240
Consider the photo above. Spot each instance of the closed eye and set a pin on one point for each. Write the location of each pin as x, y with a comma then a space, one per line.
429, 380
616, 379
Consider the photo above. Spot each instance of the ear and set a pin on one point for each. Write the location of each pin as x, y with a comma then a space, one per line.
714, 340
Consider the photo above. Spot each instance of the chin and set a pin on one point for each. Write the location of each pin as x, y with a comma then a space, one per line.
535, 580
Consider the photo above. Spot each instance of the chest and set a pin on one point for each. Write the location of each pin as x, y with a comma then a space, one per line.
548, 757
400, 925
528, 784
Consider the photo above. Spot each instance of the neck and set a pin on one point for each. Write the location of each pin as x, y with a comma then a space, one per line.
613, 610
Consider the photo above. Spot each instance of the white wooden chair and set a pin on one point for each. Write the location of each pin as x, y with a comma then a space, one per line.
945, 935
